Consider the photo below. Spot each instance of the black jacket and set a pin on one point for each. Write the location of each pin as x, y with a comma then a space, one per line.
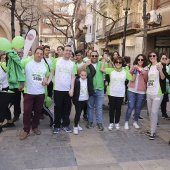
89, 84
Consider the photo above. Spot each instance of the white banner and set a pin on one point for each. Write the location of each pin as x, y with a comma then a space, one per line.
30, 37
70, 42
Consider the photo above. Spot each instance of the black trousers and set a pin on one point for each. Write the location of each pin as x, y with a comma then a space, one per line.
115, 108
79, 106
17, 103
50, 89
85, 110
163, 105
62, 108
5, 100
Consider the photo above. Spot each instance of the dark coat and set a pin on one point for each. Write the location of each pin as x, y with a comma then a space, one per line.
89, 84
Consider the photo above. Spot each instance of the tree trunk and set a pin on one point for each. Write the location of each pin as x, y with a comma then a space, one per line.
21, 27
13, 18
145, 28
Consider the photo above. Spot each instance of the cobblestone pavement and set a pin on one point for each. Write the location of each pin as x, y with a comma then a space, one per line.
90, 150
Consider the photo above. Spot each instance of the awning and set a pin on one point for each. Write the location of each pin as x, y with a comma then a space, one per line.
155, 31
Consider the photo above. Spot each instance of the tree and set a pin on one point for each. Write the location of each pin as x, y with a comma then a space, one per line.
61, 19
116, 4
27, 12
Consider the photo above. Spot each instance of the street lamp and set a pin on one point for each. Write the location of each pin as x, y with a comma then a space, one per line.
84, 34
126, 7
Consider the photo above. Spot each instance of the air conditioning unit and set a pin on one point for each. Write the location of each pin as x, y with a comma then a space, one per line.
154, 18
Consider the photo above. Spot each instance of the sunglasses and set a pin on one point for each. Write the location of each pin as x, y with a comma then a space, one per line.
164, 58
140, 59
94, 56
152, 55
118, 62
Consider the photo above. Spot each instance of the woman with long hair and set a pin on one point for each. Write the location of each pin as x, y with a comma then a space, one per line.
156, 87
136, 92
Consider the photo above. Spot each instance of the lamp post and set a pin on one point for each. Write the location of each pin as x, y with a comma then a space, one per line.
126, 5
84, 34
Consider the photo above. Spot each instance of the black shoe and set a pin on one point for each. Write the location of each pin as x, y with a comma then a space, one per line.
89, 125
157, 124
100, 126
0, 129
148, 133
8, 125
166, 117
15, 119
152, 136
140, 118
85, 118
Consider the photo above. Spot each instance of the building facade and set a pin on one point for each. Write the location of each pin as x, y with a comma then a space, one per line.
52, 26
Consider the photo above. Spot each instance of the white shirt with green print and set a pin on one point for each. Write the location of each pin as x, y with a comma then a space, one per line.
153, 85
63, 71
83, 90
116, 86
34, 72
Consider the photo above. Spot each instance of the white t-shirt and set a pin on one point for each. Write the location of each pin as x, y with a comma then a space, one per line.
153, 84
95, 65
49, 61
79, 65
3, 78
35, 72
83, 90
117, 83
63, 73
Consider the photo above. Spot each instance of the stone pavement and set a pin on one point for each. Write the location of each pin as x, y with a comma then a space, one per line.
90, 150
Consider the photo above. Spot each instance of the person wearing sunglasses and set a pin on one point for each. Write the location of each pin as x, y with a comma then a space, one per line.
95, 102
136, 93
156, 87
116, 90
163, 60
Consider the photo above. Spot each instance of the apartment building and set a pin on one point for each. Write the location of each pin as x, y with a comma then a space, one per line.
85, 24
159, 26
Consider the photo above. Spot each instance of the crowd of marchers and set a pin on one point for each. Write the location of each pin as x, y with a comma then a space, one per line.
81, 79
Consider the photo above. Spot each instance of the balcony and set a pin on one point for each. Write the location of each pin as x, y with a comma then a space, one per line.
134, 21
100, 34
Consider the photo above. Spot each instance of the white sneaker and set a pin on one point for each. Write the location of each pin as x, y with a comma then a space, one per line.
117, 126
126, 126
80, 128
110, 126
75, 130
136, 126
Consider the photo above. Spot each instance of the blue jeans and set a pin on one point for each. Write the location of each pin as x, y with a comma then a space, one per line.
95, 102
135, 101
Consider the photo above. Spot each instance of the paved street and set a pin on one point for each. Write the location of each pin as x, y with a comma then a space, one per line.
90, 150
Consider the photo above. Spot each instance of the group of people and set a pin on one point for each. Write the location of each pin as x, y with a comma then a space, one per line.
81, 80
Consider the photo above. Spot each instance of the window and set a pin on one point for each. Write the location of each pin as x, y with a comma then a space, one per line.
47, 31
47, 1
90, 29
60, 9
46, 21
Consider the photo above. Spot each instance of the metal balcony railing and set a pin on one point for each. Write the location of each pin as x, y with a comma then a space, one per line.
134, 21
